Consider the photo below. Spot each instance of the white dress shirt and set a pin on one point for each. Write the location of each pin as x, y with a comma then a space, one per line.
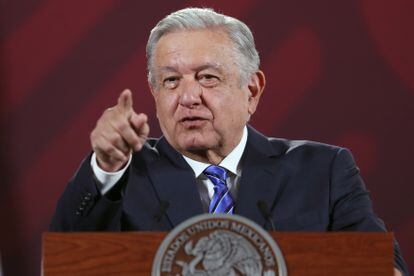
106, 180
231, 163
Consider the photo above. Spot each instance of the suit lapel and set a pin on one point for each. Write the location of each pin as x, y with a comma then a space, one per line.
262, 177
174, 183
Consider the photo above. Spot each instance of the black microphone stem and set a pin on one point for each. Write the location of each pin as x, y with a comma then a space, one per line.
265, 213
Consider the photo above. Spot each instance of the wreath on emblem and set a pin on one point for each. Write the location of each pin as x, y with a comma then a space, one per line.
222, 253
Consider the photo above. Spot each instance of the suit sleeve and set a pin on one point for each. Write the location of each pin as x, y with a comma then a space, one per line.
83, 208
350, 204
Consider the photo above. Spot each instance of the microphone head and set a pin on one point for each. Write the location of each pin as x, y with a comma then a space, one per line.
161, 212
262, 205
264, 210
164, 205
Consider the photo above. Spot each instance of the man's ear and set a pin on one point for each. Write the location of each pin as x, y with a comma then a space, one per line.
256, 86
151, 88
153, 93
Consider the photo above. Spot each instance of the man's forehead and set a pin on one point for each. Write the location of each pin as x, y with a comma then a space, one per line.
182, 43
217, 66
192, 51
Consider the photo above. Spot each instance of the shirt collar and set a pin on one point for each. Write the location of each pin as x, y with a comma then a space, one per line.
231, 162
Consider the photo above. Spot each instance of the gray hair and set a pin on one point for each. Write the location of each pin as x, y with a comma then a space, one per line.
247, 57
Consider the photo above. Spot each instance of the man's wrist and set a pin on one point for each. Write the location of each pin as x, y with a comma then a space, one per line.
106, 180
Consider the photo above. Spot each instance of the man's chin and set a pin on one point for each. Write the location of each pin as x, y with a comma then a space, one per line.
195, 147
195, 144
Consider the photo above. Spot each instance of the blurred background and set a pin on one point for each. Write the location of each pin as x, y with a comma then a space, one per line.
340, 72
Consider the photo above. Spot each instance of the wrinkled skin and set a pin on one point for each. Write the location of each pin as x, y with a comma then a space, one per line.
202, 104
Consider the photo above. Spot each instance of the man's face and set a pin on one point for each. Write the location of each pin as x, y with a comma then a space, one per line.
201, 105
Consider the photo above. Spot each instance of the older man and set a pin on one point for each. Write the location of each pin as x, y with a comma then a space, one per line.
203, 71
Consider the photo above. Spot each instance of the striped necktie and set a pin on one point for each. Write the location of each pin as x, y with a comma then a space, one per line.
222, 201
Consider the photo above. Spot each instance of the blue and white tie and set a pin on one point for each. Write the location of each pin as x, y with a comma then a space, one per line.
222, 201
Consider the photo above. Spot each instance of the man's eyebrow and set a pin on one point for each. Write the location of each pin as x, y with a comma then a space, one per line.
214, 66
167, 69
208, 65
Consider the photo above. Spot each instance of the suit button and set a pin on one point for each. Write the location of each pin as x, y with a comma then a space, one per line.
87, 197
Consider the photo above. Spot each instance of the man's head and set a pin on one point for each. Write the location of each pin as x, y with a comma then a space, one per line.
242, 39
203, 73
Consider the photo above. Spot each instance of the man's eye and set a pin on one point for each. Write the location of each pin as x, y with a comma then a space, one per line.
170, 82
208, 80
170, 79
208, 77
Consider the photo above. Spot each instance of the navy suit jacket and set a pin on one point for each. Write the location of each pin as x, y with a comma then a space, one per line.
307, 186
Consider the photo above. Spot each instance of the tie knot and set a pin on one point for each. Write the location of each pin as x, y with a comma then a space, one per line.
216, 172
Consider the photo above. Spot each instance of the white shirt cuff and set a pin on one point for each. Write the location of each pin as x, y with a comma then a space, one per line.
106, 180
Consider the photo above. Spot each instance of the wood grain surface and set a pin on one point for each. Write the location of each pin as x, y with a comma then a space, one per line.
132, 253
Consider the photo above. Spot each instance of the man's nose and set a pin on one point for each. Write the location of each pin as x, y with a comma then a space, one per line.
190, 94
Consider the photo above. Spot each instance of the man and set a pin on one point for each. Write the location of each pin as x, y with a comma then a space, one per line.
203, 72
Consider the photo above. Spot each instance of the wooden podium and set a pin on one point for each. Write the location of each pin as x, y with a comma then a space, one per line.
132, 253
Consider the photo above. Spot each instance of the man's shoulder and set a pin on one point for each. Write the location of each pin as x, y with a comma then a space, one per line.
290, 145
311, 153
156, 149
286, 146
149, 150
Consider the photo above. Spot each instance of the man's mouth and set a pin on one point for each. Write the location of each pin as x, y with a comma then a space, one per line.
192, 121
192, 118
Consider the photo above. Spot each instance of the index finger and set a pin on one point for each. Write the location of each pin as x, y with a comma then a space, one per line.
125, 101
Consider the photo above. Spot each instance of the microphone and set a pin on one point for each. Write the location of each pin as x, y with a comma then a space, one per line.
264, 210
162, 211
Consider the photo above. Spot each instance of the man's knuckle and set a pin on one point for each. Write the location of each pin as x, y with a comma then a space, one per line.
108, 111
106, 148
123, 126
135, 139
114, 138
